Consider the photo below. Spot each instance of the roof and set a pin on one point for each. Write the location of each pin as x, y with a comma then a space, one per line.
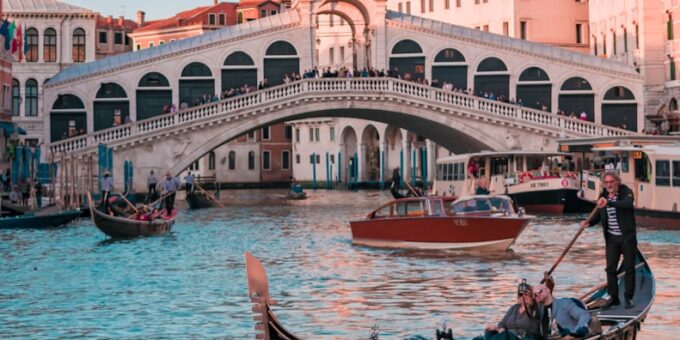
538, 49
671, 150
192, 16
178, 46
40, 6
104, 22
500, 154
255, 3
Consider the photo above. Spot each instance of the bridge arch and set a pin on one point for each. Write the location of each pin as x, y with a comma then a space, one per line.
111, 106
68, 117
280, 60
195, 81
449, 65
407, 59
238, 69
576, 95
619, 108
535, 88
359, 5
154, 95
492, 77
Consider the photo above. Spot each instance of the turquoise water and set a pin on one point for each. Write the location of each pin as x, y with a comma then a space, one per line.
74, 282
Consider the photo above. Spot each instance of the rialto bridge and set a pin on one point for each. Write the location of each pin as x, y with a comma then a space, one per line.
133, 88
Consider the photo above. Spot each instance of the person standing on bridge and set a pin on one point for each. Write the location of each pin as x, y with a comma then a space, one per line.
170, 187
152, 183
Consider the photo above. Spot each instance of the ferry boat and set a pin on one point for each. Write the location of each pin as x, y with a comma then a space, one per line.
539, 181
649, 166
480, 222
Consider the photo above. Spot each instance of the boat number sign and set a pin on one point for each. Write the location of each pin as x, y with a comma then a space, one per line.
565, 182
539, 184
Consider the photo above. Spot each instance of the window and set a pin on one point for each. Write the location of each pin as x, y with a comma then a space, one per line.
458, 3
285, 160
297, 136
604, 44
332, 133
669, 26
311, 134
331, 55
476, 2
31, 45
273, 12
251, 135
485, 28
265, 133
266, 159
408, 7
331, 21
613, 43
193, 166
31, 98
317, 134
431, 5
138, 47
211, 160
251, 160
297, 159
118, 38
50, 45
263, 13
211, 19
288, 132
332, 159
222, 19
400, 8
663, 173
447, 4
506, 28
162, 42
676, 173
151, 44
625, 40
342, 54
422, 6
127, 40
579, 33
637, 36
318, 159
16, 98
523, 30
6, 95
232, 160
239, 18
102, 37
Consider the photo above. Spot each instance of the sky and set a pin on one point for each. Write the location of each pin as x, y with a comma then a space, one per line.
155, 9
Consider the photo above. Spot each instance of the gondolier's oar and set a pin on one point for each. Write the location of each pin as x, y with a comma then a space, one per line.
160, 199
130, 204
566, 250
209, 195
412, 190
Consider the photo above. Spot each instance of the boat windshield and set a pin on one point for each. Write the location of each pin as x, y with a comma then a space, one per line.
482, 204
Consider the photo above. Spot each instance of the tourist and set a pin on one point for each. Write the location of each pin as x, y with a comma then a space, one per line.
563, 317
617, 215
483, 187
521, 321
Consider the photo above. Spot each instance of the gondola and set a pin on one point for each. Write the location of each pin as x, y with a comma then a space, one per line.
292, 195
199, 200
120, 227
41, 220
617, 323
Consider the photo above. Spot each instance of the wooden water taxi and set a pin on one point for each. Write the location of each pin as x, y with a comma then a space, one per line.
648, 166
480, 222
616, 323
540, 182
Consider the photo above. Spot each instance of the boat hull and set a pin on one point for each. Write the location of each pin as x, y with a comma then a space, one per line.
199, 201
39, 221
557, 201
439, 232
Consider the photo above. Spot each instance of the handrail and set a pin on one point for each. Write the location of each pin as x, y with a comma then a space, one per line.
477, 106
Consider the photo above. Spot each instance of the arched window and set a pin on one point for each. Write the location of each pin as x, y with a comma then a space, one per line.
16, 97
491, 64
211, 160
50, 45
232, 160
31, 98
281, 48
31, 49
196, 69
673, 105
280, 61
406, 46
251, 160
239, 18
238, 58
79, 45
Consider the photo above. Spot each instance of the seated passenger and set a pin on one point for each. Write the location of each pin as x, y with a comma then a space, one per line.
521, 321
483, 187
566, 316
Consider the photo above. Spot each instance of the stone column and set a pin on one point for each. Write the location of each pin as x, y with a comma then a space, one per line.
384, 170
361, 161
406, 149
431, 159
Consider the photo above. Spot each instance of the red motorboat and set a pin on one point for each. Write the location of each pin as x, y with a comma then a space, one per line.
473, 223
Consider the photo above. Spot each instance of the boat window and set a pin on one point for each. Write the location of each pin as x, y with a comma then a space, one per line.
454, 172
399, 209
534, 163
450, 172
676, 173
663, 173
435, 207
625, 167
440, 172
415, 208
383, 212
499, 166
643, 166
471, 205
461, 171
501, 204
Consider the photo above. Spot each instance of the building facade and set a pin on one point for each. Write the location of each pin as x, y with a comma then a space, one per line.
557, 23
7, 128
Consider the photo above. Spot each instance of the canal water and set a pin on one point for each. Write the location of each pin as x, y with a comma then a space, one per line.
74, 282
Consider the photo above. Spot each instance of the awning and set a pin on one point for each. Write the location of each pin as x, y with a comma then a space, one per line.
21, 130
9, 128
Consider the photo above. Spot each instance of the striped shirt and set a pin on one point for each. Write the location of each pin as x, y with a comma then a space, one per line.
612, 222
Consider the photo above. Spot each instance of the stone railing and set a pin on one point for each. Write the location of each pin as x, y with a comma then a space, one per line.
330, 87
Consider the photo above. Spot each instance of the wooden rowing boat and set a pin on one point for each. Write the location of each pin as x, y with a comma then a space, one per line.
39, 220
121, 227
617, 323
199, 200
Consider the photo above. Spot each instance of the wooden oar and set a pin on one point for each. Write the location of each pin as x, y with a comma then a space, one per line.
566, 250
412, 190
130, 204
158, 200
209, 195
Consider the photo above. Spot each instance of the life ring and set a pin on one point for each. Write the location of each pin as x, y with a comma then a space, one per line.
524, 176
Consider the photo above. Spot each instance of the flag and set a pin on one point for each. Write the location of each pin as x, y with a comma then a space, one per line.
17, 45
4, 31
10, 37
15, 32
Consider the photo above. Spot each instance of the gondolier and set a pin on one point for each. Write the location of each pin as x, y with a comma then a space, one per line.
618, 223
170, 187
152, 183
189, 183
107, 187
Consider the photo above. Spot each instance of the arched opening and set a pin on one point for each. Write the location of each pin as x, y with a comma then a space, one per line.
370, 139
232, 160
407, 60
31, 98
16, 98
349, 153
196, 85
154, 95
577, 96
534, 89
251, 160
280, 61
111, 106
78, 51
50, 45
492, 78
449, 67
31, 45
393, 151
238, 70
68, 118
673, 105
619, 108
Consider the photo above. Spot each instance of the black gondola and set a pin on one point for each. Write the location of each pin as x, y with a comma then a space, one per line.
199, 200
40, 220
400, 193
618, 323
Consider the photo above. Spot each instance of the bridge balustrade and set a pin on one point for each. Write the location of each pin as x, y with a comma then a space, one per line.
376, 87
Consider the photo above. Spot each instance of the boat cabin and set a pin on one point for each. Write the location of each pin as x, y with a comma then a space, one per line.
441, 206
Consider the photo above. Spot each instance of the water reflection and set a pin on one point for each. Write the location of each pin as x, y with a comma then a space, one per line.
75, 282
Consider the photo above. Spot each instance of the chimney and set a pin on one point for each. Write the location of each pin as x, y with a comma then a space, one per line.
215, 2
140, 18
121, 21
109, 20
